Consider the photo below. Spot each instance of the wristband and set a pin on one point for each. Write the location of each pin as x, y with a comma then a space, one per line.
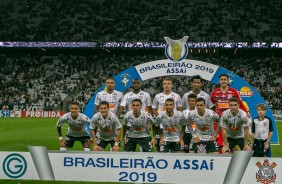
60, 138
116, 143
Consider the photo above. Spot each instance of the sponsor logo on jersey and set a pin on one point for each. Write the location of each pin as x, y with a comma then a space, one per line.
112, 105
223, 105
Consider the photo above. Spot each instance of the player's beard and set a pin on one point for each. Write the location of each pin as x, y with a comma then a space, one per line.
136, 113
169, 112
201, 112
104, 115
74, 115
136, 90
234, 111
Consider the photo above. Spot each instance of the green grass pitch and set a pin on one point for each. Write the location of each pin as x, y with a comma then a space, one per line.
18, 133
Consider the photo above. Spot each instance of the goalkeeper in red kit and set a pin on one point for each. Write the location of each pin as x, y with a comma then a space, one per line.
220, 98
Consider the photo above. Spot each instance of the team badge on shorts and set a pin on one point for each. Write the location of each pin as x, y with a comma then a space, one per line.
125, 78
176, 50
266, 173
201, 148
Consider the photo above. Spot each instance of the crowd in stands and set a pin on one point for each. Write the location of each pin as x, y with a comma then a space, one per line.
144, 20
52, 81
42, 80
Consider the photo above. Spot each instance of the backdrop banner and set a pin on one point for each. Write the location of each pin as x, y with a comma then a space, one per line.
207, 71
41, 164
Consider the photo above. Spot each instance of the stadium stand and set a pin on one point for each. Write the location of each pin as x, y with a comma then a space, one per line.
121, 20
49, 80
52, 80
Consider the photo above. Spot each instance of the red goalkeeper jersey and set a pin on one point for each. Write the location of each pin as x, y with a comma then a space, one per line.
221, 99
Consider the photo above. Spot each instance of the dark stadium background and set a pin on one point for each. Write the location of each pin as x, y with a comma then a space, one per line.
104, 21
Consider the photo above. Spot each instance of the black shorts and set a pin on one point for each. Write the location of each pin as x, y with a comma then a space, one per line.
144, 142
187, 141
233, 142
205, 147
258, 148
103, 144
69, 141
172, 147
157, 144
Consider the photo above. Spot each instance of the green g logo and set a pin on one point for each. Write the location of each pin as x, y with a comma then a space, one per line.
14, 165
